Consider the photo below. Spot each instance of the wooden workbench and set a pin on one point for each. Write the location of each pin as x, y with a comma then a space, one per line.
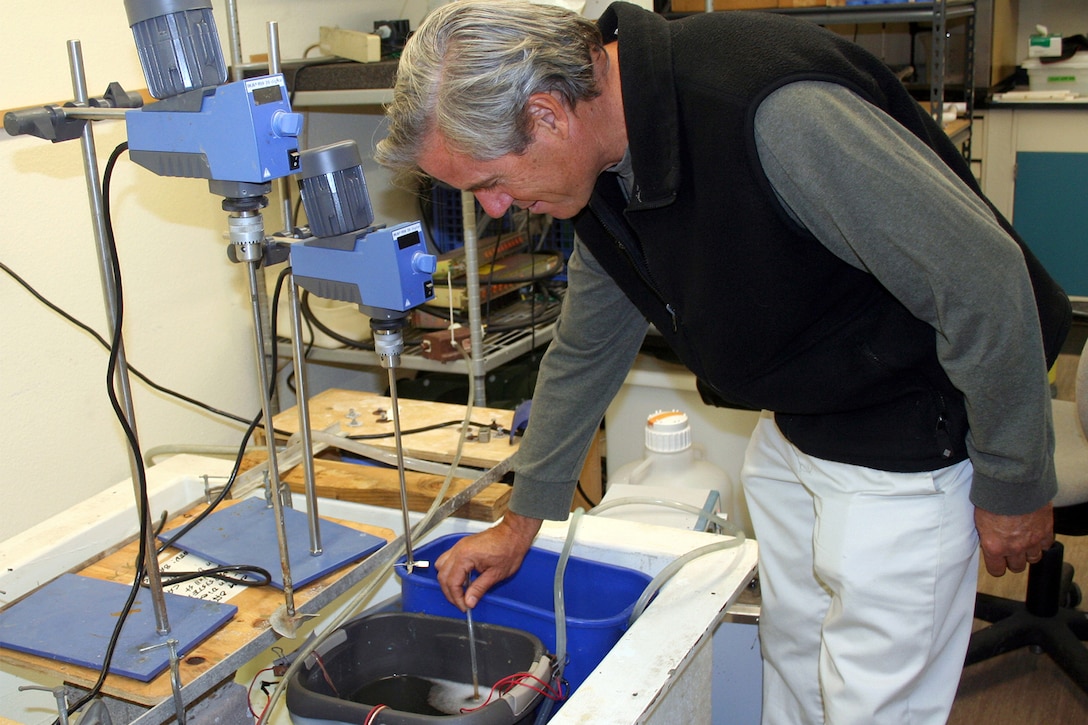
368, 414
249, 624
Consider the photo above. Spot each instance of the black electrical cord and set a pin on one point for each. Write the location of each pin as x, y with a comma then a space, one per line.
102, 341
421, 429
245, 438
222, 573
585, 495
298, 72
130, 435
308, 313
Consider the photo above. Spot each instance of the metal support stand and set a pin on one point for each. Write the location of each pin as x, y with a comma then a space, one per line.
472, 288
937, 53
175, 677
389, 344
106, 265
247, 236
302, 400
284, 182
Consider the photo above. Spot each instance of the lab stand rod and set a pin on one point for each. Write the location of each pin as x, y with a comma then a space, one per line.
305, 431
472, 288
276, 492
94, 114
235, 38
111, 295
274, 69
262, 314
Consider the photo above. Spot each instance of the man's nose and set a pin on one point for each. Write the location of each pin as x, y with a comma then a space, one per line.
494, 203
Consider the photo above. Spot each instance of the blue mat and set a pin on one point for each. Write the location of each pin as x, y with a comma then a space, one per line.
71, 619
245, 533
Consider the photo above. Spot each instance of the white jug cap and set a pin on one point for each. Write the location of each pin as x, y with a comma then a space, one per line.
668, 431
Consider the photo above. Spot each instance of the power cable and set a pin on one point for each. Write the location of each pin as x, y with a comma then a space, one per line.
130, 435
102, 341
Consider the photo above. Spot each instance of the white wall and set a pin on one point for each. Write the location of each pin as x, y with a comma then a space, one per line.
187, 319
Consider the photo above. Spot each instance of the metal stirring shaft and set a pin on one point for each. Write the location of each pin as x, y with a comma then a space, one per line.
472, 655
409, 556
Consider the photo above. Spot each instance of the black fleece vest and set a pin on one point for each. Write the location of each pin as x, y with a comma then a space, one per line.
760, 311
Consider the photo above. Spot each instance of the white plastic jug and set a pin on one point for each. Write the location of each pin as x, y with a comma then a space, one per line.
672, 460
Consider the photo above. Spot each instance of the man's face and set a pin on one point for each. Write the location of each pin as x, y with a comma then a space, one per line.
549, 178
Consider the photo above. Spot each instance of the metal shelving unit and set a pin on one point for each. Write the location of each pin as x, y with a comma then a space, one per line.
937, 15
496, 349
499, 348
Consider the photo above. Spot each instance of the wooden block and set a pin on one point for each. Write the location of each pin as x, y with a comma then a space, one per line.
381, 487
351, 44
591, 488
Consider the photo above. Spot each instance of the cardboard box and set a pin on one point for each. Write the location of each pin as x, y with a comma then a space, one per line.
1045, 46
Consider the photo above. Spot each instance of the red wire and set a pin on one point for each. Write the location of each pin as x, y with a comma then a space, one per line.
249, 692
325, 672
373, 714
511, 681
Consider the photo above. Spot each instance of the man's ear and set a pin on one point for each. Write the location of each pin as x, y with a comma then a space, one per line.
549, 113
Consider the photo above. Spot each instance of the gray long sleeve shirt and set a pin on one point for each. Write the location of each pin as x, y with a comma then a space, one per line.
881, 201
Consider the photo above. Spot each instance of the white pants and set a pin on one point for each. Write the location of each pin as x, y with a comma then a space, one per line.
868, 583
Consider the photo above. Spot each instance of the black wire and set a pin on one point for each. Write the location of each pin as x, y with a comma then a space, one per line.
422, 429
222, 573
298, 72
585, 496
178, 533
245, 438
102, 341
308, 313
130, 435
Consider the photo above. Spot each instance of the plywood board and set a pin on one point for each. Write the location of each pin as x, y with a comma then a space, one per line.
255, 606
367, 414
381, 487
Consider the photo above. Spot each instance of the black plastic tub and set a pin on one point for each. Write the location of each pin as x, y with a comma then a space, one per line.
418, 667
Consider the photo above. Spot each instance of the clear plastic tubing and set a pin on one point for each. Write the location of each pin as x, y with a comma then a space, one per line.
670, 570
674, 566
560, 607
724, 525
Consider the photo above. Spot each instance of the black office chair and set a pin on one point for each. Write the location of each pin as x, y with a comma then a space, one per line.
1048, 619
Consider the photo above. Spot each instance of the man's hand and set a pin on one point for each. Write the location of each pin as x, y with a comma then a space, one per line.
494, 553
1013, 542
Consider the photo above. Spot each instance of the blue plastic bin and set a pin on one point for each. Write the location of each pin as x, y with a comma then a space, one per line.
598, 600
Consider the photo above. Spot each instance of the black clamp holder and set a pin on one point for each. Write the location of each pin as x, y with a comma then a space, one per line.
65, 122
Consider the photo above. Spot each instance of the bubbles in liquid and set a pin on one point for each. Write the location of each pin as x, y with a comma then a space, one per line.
450, 697
418, 695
